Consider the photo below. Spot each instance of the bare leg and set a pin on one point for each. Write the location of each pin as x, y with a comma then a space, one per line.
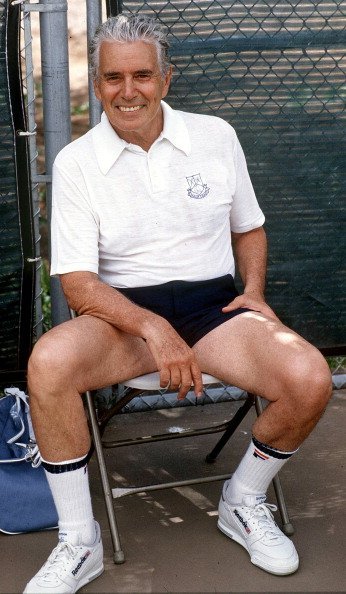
262, 356
265, 357
82, 354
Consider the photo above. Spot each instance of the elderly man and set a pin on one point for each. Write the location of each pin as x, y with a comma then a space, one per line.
144, 209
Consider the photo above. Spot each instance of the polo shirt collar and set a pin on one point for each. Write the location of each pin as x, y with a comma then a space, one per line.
175, 129
109, 146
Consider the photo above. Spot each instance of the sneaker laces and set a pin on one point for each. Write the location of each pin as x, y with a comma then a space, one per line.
262, 513
58, 560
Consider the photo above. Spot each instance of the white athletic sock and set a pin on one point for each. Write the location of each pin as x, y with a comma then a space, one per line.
69, 484
255, 471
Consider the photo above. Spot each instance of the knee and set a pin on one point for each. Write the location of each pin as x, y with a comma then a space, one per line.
311, 382
50, 366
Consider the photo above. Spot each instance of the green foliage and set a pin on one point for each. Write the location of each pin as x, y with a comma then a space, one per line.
46, 301
80, 109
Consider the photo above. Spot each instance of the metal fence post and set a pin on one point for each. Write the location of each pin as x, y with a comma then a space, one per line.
56, 109
29, 86
94, 18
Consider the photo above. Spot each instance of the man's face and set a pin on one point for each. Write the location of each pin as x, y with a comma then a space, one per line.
130, 86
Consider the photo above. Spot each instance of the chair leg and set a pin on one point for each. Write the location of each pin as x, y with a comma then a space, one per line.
232, 426
287, 526
118, 552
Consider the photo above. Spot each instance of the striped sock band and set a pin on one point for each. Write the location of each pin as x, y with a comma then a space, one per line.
68, 465
265, 451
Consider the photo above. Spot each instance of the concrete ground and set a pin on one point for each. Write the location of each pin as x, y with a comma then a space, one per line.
170, 537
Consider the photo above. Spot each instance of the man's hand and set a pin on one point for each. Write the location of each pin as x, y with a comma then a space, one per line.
175, 361
254, 301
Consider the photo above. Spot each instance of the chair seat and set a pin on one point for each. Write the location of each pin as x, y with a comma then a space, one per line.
151, 381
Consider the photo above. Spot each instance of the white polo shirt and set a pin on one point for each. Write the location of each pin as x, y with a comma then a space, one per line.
140, 218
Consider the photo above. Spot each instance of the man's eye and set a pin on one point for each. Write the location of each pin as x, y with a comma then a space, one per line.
143, 76
111, 79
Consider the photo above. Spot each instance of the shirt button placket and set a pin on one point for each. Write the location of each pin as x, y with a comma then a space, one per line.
153, 175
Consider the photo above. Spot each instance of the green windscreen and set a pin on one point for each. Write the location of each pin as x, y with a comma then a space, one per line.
276, 72
16, 234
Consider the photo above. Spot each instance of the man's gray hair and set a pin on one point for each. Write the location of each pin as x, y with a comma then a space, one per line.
126, 28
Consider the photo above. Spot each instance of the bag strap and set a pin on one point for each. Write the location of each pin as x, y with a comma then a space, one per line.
16, 410
31, 452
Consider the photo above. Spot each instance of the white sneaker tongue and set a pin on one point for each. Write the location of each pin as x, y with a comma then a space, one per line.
71, 537
252, 500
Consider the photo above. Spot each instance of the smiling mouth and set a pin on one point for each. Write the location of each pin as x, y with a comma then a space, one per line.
126, 109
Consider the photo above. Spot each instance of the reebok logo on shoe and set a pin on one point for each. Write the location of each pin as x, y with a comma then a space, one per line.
242, 521
80, 564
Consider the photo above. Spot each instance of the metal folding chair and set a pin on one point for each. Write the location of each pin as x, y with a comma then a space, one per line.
147, 384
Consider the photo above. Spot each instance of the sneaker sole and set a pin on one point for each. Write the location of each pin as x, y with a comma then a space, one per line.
86, 580
274, 570
90, 578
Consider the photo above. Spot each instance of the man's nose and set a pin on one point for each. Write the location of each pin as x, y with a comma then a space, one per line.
129, 88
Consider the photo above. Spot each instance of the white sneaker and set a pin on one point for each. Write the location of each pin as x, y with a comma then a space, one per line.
252, 525
69, 567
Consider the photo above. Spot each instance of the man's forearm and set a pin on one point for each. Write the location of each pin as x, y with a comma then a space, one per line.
250, 250
88, 295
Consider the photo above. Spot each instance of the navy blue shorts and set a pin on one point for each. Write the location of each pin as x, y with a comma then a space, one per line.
192, 308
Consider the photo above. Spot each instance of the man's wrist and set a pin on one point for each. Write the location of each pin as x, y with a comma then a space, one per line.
152, 325
255, 292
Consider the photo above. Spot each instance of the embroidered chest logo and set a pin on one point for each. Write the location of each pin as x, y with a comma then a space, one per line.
197, 189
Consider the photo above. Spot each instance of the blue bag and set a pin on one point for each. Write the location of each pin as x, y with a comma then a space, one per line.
26, 502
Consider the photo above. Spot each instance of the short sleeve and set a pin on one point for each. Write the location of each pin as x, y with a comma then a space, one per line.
245, 212
74, 224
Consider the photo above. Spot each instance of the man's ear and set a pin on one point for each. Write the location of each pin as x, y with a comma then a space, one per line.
96, 89
168, 78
